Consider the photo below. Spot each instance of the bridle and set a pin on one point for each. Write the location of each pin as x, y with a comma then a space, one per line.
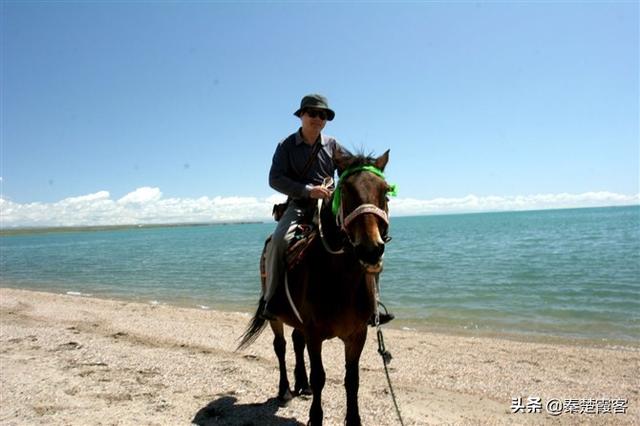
338, 207
343, 222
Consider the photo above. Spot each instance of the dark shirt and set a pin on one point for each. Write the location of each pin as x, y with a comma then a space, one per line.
289, 160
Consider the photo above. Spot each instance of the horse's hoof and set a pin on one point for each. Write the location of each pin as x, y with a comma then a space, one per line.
306, 391
317, 422
353, 422
283, 403
285, 399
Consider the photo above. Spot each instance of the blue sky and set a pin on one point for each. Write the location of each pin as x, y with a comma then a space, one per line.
121, 109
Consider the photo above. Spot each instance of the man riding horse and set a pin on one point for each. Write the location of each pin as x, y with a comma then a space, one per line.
299, 167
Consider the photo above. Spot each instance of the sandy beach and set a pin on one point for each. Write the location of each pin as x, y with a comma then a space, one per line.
77, 360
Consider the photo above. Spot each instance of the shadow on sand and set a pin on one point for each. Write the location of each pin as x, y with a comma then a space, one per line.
225, 411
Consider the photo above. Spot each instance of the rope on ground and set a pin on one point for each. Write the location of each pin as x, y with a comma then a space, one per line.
386, 359
382, 350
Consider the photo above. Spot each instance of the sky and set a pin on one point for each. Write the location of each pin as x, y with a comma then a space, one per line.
163, 112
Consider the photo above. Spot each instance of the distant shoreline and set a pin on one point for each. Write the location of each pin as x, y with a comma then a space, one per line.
27, 230
100, 228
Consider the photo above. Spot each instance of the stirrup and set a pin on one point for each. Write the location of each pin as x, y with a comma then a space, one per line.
383, 317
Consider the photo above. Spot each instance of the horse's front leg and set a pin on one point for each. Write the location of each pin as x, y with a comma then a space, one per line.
301, 386
317, 380
353, 346
280, 346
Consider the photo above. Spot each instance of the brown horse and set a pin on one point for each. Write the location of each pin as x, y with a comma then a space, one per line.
333, 293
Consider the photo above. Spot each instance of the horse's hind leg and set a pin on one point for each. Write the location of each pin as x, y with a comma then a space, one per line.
301, 386
280, 346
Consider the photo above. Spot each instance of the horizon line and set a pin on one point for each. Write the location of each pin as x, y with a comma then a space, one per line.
19, 229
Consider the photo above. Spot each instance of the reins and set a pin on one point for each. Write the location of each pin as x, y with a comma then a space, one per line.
328, 181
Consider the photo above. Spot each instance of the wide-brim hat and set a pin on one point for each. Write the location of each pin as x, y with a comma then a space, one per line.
315, 101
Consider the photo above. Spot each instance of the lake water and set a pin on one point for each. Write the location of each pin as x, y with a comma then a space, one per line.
563, 273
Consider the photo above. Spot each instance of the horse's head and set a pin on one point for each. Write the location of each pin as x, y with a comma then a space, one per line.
360, 205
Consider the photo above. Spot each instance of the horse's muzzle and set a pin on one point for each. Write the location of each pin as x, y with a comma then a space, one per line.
372, 269
370, 255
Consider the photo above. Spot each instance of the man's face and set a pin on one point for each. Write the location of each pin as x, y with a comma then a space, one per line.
314, 119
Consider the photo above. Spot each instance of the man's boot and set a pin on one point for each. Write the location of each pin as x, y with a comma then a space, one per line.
265, 313
382, 317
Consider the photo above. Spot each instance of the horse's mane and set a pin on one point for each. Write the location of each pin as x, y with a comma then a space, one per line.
360, 158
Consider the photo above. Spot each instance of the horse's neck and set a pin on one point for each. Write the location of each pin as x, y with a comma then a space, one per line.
349, 279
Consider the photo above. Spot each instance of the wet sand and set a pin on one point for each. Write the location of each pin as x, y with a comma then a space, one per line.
77, 360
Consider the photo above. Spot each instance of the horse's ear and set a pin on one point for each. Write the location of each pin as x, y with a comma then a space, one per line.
342, 159
381, 162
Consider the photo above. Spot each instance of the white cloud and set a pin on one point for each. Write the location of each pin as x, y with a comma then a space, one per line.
141, 195
146, 205
277, 198
90, 198
474, 203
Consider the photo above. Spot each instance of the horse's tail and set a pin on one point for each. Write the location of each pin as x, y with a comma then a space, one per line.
255, 327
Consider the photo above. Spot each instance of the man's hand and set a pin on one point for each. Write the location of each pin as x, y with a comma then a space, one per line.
319, 191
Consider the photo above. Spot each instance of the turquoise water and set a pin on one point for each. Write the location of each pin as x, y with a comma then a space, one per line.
561, 273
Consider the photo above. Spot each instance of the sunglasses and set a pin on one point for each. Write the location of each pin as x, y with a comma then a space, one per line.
313, 113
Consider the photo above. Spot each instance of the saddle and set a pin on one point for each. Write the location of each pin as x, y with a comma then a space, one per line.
304, 235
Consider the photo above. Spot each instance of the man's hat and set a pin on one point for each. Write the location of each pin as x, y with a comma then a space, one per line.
315, 101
